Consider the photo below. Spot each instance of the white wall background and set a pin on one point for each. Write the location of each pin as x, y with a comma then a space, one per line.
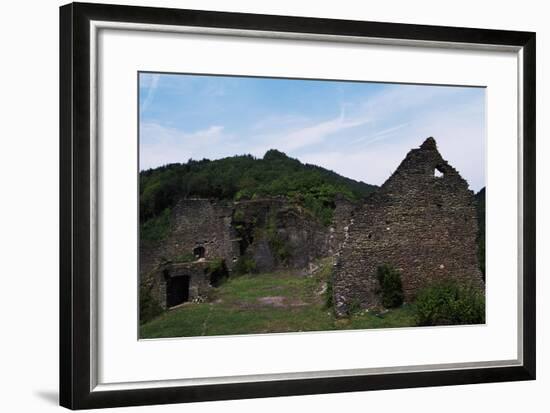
29, 205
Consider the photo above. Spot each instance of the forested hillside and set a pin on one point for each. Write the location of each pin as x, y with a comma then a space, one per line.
245, 177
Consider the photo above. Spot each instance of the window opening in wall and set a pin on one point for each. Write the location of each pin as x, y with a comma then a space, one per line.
198, 252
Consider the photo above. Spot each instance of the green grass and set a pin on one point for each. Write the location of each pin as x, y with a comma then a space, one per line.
283, 301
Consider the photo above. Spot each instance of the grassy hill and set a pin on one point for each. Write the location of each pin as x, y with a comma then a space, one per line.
242, 177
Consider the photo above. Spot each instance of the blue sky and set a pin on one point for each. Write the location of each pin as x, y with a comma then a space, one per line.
358, 129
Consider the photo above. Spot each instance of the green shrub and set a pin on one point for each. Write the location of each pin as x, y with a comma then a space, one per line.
149, 308
279, 247
238, 215
354, 307
277, 244
449, 303
157, 228
391, 288
245, 265
215, 265
218, 272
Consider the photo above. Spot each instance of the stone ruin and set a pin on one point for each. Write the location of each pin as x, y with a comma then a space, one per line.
273, 233
422, 221
344, 211
199, 227
177, 283
276, 233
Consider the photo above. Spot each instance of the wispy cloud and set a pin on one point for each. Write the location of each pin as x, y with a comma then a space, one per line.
150, 85
152, 133
380, 135
454, 118
307, 135
359, 130
161, 145
316, 133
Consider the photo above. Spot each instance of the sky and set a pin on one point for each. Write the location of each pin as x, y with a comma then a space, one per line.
361, 130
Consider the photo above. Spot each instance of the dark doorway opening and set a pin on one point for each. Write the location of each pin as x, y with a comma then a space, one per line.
177, 290
198, 252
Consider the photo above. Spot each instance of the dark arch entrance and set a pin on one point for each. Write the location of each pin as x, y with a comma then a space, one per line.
198, 252
177, 290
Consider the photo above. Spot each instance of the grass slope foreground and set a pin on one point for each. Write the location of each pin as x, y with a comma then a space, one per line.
278, 302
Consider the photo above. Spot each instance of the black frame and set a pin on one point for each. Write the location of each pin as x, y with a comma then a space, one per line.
75, 306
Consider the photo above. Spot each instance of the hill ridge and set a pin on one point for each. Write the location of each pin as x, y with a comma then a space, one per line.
241, 177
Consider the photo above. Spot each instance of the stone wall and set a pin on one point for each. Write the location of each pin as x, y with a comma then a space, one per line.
342, 216
273, 232
207, 224
421, 223
195, 223
278, 234
198, 281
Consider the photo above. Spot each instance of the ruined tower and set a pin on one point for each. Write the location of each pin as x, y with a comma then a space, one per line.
422, 221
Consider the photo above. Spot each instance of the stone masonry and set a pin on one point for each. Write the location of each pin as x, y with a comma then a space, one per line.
344, 210
276, 233
180, 282
422, 221
273, 232
198, 226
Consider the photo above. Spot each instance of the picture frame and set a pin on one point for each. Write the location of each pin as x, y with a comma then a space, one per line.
79, 238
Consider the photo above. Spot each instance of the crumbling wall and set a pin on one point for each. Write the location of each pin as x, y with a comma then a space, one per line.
422, 221
273, 232
341, 218
276, 233
197, 272
195, 223
205, 223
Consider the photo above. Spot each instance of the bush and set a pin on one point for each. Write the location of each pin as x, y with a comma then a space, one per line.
391, 287
238, 215
245, 265
157, 228
353, 307
277, 244
449, 303
218, 272
149, 308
